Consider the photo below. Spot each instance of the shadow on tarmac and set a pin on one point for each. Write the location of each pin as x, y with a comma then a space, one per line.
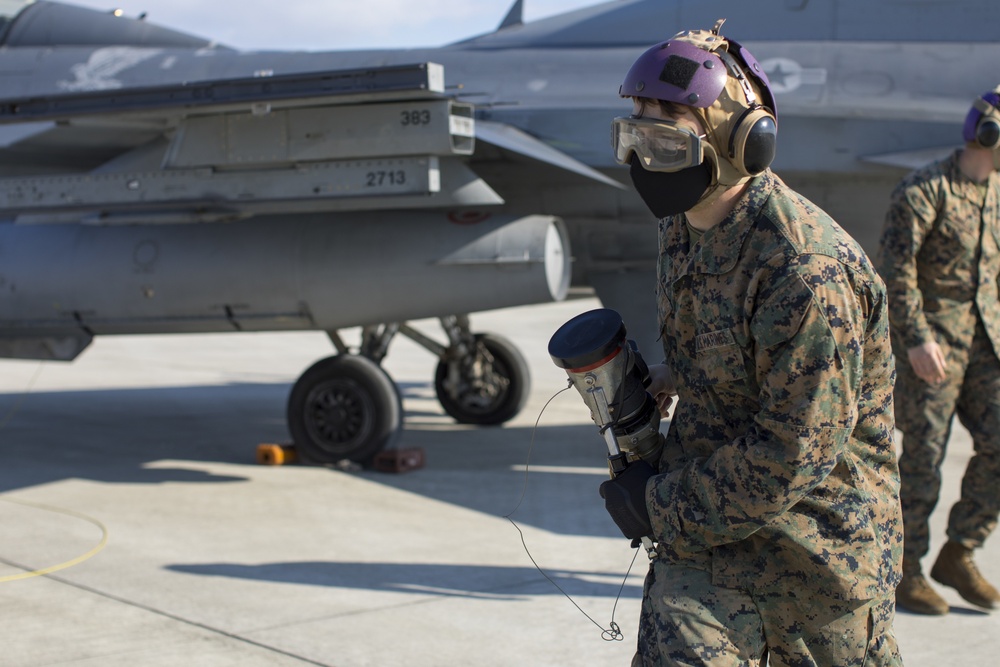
113, 436
444, 580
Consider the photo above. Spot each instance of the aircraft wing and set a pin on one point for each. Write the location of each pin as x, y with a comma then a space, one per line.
517, 141
382, 137
910, 160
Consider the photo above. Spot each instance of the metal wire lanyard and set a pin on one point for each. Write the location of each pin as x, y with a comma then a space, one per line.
613, 631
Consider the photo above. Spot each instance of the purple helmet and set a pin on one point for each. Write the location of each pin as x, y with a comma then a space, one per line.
681, 72
980, 123
676, 71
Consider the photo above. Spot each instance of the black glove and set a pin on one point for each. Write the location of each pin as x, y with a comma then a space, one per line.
625, 499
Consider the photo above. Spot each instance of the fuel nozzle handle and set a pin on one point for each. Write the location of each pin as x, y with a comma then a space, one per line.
611, 377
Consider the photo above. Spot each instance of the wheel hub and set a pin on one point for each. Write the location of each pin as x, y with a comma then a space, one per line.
339, 413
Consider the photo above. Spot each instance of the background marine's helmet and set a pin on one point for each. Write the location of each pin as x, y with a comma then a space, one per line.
724, 85
982, 123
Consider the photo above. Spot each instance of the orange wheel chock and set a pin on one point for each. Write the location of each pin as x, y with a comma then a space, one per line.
275, 455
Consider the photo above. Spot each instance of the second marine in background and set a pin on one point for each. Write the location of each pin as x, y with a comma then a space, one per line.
940, 260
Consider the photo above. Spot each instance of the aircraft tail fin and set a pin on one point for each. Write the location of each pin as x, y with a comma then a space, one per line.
515, 16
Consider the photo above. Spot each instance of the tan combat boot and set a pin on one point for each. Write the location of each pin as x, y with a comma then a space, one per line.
954, 567
915, 594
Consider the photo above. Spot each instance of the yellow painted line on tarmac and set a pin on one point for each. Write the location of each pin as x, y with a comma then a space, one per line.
69, 563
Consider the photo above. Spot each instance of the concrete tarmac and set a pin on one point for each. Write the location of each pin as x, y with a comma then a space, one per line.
214, 560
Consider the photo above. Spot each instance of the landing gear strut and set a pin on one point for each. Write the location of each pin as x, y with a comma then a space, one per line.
347, 407
481, 378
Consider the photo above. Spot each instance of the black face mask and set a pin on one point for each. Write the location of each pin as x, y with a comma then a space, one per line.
669, 193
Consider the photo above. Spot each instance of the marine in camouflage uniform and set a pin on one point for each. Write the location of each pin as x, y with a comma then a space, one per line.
774, 500
940, 260
780, 470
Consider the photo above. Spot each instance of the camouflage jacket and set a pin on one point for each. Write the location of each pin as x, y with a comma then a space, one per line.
939, 257
778, 469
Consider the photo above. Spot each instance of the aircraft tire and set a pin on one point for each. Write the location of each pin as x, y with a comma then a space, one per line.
494, 397
344, 407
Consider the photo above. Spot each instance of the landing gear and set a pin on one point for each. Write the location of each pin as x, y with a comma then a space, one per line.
344, 407
487, 385
347, 407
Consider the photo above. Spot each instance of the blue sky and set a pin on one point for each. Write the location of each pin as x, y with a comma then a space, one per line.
333, 24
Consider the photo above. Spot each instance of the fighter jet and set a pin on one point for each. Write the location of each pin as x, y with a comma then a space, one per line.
153, 181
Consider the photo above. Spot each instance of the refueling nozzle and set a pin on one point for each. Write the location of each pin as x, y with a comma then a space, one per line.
612, 377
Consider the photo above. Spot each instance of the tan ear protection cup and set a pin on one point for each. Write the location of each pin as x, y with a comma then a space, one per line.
988, 132
752, 141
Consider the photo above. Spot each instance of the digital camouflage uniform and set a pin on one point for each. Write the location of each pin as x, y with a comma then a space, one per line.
776, 510
939, 258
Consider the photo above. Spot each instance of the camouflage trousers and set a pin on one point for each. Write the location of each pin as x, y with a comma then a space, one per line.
924, 415
688, 621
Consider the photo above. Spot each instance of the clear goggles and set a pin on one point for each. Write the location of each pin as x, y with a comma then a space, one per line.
661, 145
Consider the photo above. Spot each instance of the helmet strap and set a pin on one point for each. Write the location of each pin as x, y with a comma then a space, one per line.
717, 186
